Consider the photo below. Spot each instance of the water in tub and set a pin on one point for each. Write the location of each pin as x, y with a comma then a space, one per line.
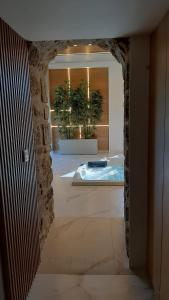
114, 171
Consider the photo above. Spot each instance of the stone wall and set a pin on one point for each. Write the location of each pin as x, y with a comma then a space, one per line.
42, 147
40, 54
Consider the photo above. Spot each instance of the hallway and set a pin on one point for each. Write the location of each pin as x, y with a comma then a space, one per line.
84, 77
84, 255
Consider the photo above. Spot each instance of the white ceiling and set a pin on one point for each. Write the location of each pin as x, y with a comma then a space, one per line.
81, 58
82, 19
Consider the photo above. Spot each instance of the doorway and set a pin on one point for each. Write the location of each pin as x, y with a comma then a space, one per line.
40, 54
88, 233
86, 244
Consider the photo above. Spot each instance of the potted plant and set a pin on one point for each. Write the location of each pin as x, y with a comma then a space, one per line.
62, 106
77, 115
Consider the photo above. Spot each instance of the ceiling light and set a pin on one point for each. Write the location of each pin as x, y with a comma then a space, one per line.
89, 44
75, 45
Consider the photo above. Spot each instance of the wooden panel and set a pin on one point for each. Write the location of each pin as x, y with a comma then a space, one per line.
138, 150
98, 78
19, 232
2, 292
156, 152
99, 81
77, 75
83, 49
102, 134
165, 237
56, 77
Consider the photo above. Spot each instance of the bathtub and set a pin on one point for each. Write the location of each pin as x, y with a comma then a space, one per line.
112, 174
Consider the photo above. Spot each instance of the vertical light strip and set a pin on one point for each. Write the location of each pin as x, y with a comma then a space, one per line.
80, 132
68, 75
88, 86
88, 83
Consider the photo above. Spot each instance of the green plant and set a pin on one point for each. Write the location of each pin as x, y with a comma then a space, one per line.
62, 106
94, 112
74, 108
96, 102
80, 105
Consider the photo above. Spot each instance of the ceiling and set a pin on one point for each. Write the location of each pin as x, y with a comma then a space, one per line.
79, 49
64, 60
82, 19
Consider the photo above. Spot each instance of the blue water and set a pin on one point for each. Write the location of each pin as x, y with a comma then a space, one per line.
109, 173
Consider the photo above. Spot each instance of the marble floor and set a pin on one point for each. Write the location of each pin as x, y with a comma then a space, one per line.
85, 246
89, 287
83, 201
84, 257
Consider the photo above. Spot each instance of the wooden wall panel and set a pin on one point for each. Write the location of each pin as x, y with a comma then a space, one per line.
103, 140
56, 77
77, 75
98, 80
2, 291
19, 230
159, 162
83, 49
156, 152
165, 236
138, 149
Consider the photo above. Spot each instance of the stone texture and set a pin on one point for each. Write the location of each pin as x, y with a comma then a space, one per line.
42, 145
40, 54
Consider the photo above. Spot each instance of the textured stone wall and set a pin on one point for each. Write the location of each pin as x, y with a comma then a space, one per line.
40, 54
42, 147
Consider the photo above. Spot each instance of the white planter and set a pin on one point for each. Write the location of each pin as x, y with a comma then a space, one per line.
83, 146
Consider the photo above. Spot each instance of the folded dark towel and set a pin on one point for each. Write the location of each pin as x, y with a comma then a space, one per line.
97, 164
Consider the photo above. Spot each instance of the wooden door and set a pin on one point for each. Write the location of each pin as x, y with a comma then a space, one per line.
165, 229
157, 112
19, 232
159, 161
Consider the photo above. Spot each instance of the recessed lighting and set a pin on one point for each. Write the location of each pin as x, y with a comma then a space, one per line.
75, 45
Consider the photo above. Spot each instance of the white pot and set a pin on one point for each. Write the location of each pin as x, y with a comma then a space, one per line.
83, 146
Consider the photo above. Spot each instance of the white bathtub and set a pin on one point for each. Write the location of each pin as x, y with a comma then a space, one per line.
113, 174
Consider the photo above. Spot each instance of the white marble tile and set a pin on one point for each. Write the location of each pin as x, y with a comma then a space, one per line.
87, 237
89, 287
85, 246
83, 201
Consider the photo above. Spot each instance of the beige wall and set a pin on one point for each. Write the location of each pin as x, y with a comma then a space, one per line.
159, 161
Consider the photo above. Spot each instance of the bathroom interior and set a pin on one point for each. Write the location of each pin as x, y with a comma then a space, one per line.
88, 232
